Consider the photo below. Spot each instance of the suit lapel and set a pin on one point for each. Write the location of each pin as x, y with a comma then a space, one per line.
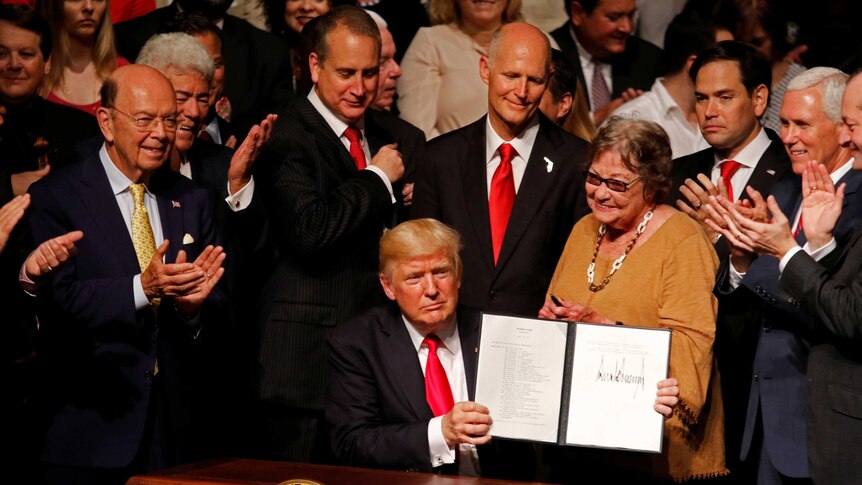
376, 134
170, 214
534, 188
328, 141
95, 192
474, 175
468, 332
769, 168
402, 361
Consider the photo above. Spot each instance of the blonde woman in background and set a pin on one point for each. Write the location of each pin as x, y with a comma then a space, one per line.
83, 53
440, 89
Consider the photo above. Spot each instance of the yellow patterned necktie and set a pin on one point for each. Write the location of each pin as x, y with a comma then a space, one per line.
143, 240
142, 232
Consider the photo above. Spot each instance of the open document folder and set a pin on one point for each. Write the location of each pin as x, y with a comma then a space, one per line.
574, 384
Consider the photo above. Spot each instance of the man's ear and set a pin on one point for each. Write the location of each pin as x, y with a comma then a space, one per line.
484, 69
760, 97
565, 106
314, 66
106, 124
578, 13
387, 286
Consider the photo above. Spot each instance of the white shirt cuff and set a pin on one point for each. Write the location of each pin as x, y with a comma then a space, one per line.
441, 453
242, 198
734, 277
380, 173
141, 300
786, 258
821, 253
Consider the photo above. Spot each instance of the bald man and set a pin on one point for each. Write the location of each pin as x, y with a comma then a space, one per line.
120, 317
509, 183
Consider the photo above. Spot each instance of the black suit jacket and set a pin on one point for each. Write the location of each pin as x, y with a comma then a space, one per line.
637, 67
376, 398
452, 187
326, 217
97, 350
258, 76
832, 293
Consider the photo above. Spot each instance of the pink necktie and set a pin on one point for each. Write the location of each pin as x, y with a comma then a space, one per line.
356, 151
438, 393
600, 95
501, 198
728, 168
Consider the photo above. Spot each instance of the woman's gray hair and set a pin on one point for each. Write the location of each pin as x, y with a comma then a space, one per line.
831, 83
179, 51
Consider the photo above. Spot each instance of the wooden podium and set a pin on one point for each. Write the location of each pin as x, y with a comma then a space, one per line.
233, 471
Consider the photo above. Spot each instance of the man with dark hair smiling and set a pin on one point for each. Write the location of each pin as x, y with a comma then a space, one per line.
334, 184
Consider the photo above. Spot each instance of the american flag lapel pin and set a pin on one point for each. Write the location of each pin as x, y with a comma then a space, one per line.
175, 204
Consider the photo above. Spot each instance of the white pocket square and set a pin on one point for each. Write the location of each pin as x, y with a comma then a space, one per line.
188, 239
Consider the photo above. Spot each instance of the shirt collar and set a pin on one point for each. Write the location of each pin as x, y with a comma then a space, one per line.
839, 173
522, 143
448, 334
751, 154
118, 180
335, 123
665, 100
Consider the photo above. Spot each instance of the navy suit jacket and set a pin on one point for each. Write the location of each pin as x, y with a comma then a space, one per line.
453, 189
98, 351
376, 398
779, 382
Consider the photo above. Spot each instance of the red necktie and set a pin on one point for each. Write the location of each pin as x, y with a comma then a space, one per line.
798, 228
205, 136
502, 197
438, 393
356, 152
600, 95
728, 168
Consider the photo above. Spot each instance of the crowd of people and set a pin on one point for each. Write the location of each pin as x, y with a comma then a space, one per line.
218, 240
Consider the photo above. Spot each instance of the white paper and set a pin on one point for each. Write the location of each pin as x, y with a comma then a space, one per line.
520, 376
614, 374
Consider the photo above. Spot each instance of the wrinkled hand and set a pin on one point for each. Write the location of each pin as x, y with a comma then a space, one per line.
821, 204
697, 194
177, 279
571, 312
210, 262
50, 256
600, 115
10, 214
772, 238
407, 192
388, 159
242, 162
21, 182
467, 422
667, 396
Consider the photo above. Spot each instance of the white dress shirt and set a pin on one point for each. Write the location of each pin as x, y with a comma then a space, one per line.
338, 126
523, 145
657, 105
452, 360
748, 158
120, 188
588, 67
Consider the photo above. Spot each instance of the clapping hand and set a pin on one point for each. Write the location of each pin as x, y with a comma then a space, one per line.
821, 204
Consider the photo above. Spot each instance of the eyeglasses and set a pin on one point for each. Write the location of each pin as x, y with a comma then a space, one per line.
612, 184
149, 123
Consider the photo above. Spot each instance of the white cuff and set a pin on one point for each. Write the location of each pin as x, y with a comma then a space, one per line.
441, 453
820, 253
734, 277
242, 198
380, 173
141, 300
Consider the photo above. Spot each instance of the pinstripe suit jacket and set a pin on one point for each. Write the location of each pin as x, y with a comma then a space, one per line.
326, 218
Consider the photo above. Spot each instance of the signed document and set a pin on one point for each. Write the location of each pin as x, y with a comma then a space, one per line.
574, 384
